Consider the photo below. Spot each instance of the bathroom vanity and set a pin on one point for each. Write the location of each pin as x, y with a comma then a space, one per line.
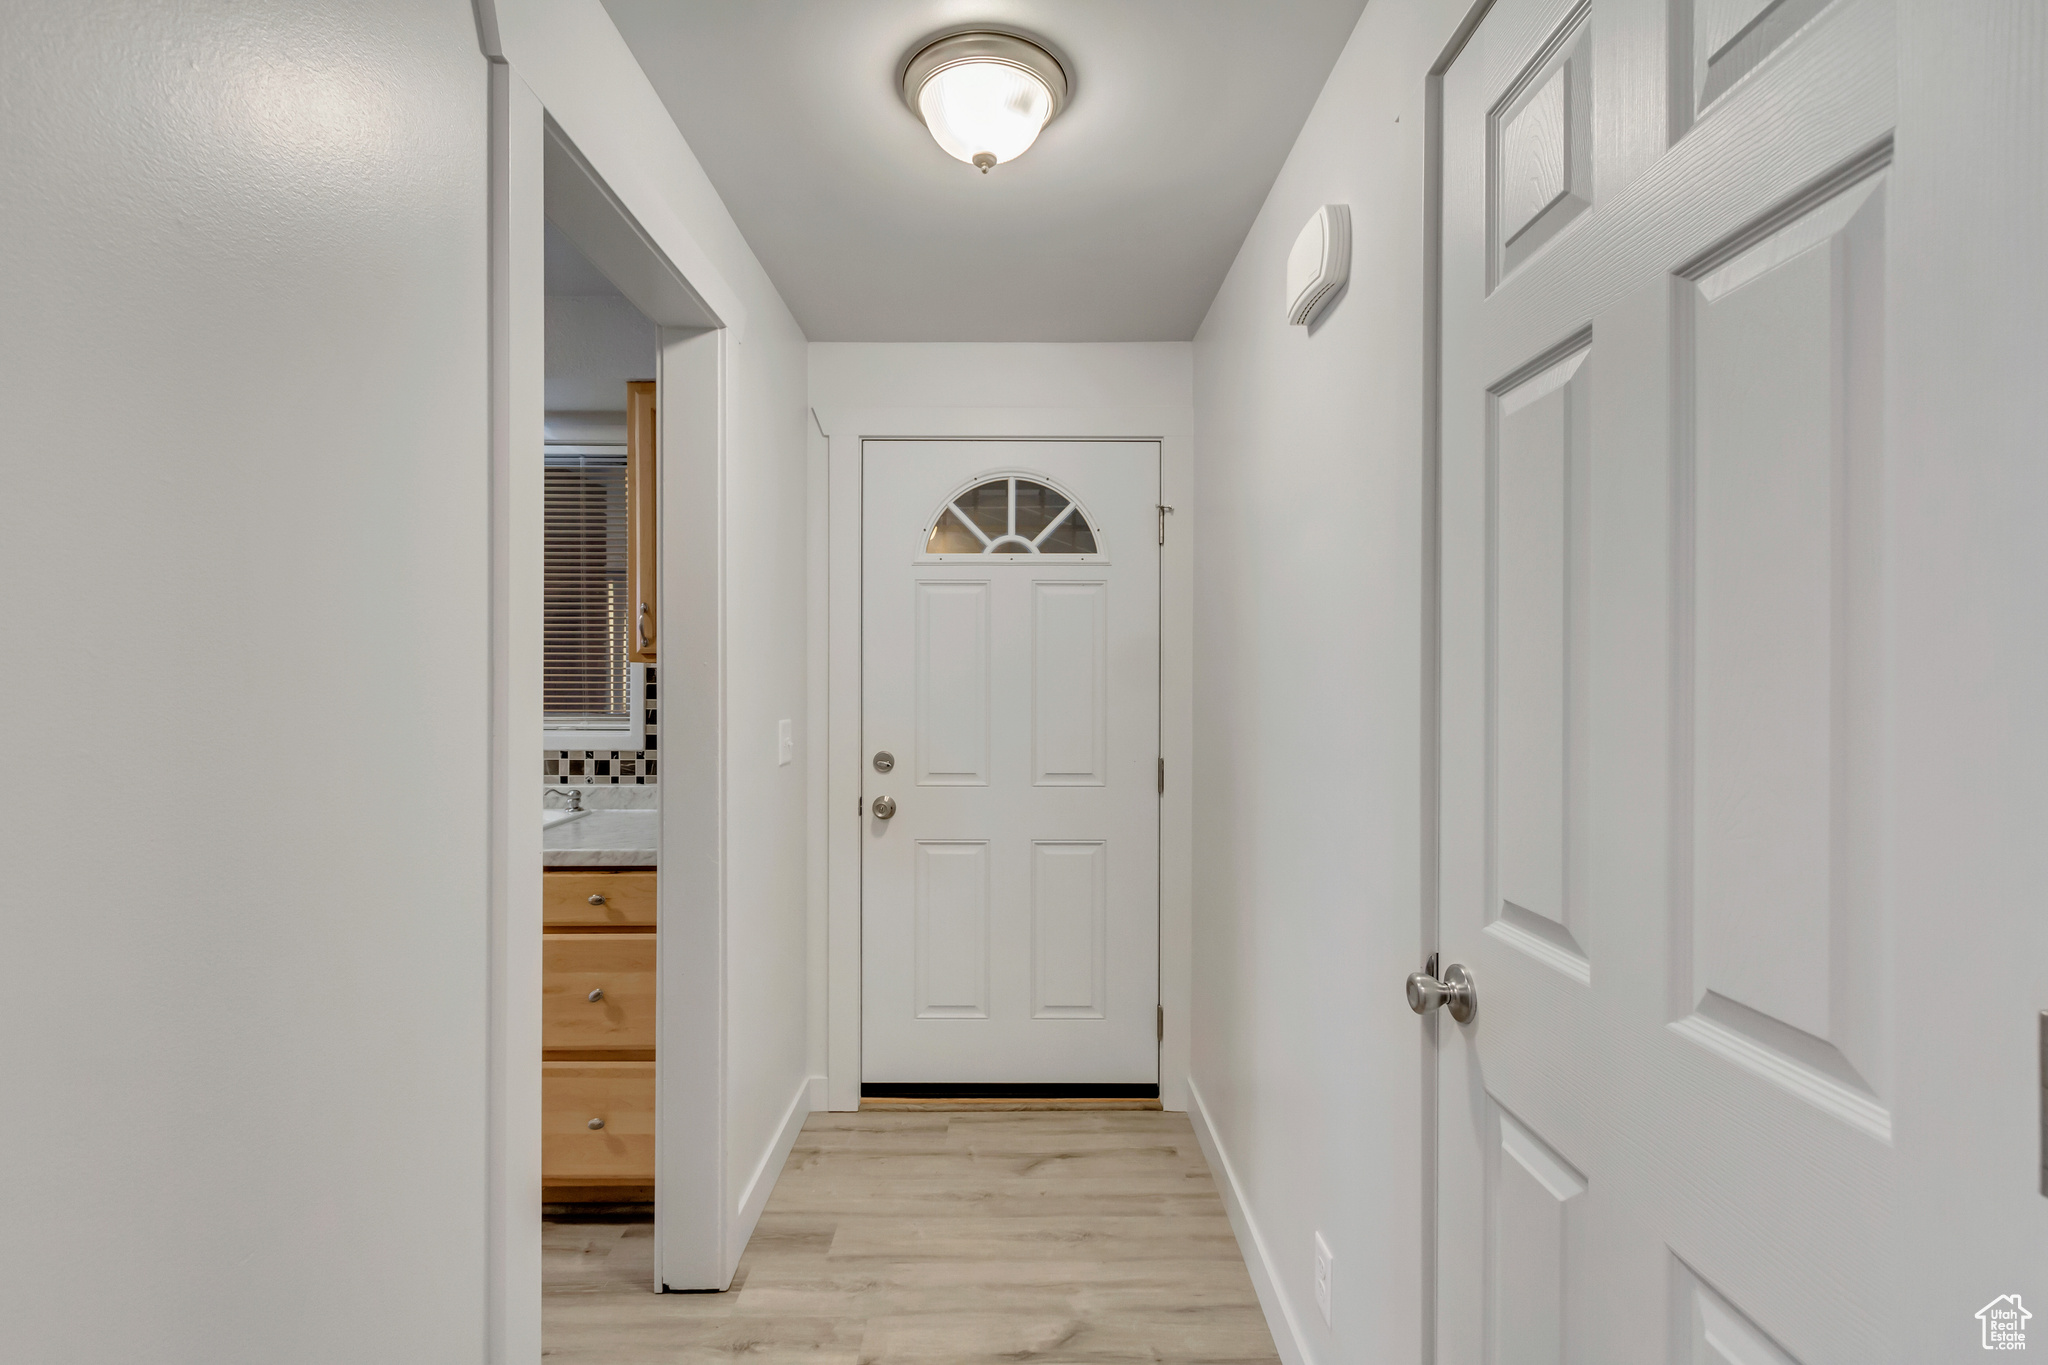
598, 1007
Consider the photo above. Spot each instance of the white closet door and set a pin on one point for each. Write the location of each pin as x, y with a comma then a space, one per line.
1667, 1134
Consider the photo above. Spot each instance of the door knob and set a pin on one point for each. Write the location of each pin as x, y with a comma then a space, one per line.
597, 900
885, 807
1456, 993
596, 995
595, 1124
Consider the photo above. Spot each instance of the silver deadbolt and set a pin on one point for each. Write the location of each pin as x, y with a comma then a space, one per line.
596, 995
885, 807
1455, 992
884, 761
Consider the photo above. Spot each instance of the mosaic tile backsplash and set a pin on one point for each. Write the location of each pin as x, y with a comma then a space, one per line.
591, 767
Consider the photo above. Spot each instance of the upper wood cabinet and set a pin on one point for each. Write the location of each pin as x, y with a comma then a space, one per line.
642, 540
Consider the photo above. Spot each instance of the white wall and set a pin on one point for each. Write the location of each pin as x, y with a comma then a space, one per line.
1309, 715
1026, 374
243, 248
572, 57
245, 255
596, 343
989, 388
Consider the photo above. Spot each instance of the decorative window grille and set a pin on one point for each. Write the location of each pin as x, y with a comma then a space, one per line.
586, 681
1012, 515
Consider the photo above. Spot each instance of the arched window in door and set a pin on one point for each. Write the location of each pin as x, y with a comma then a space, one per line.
1012, 514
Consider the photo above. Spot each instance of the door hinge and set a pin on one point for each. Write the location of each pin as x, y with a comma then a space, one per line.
1160, 1017
1163, 510
1162, 777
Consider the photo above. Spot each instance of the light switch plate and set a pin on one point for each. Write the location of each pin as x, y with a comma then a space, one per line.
785, 742
1324, 1266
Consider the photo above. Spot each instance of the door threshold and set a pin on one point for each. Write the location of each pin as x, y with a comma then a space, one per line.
1010, 1090
876, 1104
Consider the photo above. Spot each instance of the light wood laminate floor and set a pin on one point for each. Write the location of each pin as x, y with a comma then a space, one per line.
948, 1238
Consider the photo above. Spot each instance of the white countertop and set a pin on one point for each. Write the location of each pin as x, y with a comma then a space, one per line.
604, 838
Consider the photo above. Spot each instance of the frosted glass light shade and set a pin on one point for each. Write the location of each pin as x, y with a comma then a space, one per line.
989, 107
984, 96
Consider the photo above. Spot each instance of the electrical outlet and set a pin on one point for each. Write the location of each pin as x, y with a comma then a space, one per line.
1324, 1261
785, 742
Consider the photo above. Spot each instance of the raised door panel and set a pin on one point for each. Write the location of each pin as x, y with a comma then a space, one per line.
1069, 929
1529, 1236
952, 929
1542, 149
1721, 41
1785, 970
953, 675
1539, 519
1706, 1329
1069, 684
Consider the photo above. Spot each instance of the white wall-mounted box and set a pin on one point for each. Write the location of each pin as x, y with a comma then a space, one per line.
1319, 264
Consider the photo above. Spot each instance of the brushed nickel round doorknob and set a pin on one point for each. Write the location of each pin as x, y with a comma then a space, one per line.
885, 807
1455, 992
596, 995
596, 1124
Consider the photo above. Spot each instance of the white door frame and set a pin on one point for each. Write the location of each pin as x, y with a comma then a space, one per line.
846, 430
538, 174
1430, 932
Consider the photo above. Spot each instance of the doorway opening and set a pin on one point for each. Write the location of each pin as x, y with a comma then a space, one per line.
600, 746
606, 974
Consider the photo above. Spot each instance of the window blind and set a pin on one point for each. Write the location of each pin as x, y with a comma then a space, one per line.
586, 682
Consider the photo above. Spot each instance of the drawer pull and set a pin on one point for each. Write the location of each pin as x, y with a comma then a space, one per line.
596, 899
597, 995
595, 1124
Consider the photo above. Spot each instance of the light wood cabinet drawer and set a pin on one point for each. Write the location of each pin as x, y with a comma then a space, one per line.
619, 1096
624, 900
616, 968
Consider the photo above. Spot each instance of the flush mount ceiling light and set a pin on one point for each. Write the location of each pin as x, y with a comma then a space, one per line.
984, 96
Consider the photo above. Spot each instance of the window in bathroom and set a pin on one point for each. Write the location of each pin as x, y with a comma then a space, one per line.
587, 681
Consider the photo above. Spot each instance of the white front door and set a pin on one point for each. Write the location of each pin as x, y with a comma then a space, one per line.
1010, 643
1667, 1133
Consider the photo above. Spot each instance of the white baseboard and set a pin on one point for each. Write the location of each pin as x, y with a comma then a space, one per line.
755, 1197
1279, 1314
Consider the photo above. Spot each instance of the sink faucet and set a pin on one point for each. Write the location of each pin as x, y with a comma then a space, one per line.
575, 795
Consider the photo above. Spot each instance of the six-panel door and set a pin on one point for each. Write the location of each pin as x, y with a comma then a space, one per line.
1667, 1133
1010, 641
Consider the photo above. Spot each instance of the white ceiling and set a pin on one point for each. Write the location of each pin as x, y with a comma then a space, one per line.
1117, 226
